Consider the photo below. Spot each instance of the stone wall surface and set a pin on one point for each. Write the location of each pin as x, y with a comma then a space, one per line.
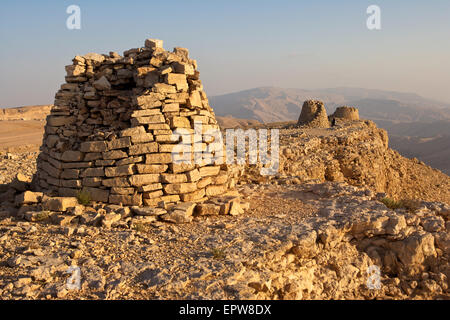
110, 132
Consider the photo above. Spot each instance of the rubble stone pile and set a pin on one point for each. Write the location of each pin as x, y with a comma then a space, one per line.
110, 132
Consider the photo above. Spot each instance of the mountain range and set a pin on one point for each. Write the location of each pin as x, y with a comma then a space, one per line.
269, 104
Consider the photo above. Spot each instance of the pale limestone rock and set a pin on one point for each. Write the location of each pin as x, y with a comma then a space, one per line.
28, 197
102, 84
94, 146
95, 57
153, 43
59, 203
71, 156
148, 211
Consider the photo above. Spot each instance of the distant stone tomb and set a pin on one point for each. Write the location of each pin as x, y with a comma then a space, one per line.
313, 115
345, 113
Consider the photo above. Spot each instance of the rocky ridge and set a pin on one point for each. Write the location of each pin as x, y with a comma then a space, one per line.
358, 153
311, 241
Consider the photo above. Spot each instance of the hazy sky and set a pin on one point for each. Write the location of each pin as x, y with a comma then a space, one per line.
238, 44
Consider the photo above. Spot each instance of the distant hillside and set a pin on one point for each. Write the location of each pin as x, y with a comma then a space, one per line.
229, 122
433, 151
426, 141
382, 109
25, 113
425, 129
268, 104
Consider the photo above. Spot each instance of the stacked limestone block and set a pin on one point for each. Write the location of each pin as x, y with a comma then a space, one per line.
345, 113
110, 131
313, 115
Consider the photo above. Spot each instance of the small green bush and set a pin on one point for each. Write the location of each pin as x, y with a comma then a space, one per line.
83, 197
409, 205
391, 203
218, 253
41, 216
139, 227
